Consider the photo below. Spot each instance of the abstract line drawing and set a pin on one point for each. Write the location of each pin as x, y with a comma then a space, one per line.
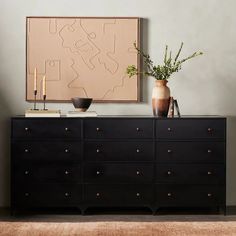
106, 24
53, 26
70, 85
76, 39
114, 62
82, 56
113, 89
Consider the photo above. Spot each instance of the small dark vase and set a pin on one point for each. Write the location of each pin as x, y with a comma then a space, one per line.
160, 98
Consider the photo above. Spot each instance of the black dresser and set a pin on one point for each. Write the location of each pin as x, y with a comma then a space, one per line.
118, 162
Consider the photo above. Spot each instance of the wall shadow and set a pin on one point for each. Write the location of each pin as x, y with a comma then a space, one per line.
5, 127
231, 161
144, 46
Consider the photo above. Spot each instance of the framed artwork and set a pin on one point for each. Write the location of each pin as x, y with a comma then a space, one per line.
82, 57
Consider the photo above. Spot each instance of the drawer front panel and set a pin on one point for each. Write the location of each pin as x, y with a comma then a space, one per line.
190, 129
186, 173
53, 173
121, 195
201, 152
118, 128
46, 128
48, 151
47, 195
119, 151
118, 173
190, 195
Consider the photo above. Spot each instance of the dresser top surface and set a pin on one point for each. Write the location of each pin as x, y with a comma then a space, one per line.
127, 116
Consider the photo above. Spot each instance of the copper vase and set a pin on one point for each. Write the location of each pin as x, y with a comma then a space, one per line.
160, 98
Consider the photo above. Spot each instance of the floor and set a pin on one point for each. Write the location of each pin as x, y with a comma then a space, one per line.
117, 222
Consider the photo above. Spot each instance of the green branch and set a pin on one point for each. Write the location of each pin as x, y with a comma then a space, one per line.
160, 72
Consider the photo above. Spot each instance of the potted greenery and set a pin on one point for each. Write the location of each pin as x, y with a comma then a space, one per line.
161, 93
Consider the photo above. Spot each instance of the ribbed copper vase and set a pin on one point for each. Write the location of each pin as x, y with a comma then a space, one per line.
160, 98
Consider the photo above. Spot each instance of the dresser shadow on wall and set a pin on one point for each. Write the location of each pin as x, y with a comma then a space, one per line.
231, 161
144, 95
6, 113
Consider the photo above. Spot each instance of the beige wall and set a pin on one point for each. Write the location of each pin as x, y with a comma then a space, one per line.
206, 85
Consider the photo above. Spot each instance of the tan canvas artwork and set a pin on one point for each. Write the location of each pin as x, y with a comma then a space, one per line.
85, 57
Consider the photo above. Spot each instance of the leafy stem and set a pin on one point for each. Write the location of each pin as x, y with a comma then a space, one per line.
160, 72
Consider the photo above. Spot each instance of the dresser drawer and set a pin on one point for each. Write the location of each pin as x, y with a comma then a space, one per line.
189, 173
47, 173
190, 129
119, 151
46, 195
201, 152
118, 128
119, 195
48, 151
118, 173
189, 195
46, 128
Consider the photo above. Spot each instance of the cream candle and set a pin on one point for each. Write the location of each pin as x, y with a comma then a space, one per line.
35, 79
44, 85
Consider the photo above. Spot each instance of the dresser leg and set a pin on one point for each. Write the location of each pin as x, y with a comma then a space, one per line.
83, 209
225, 210
12, 212
222, 210
153, 209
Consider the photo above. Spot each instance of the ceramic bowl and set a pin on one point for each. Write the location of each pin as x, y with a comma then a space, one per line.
81, 104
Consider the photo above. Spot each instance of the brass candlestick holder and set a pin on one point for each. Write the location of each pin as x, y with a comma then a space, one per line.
35, 103
44, 102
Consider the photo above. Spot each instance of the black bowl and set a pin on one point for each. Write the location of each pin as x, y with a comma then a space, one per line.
81, 104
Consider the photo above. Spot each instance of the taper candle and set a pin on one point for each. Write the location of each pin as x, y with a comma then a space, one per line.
44, 85
35, 79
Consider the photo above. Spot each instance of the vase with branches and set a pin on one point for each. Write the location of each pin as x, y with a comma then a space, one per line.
161, 72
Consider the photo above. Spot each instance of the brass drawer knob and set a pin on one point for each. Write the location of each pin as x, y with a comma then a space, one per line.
26, 150
209, 130
98, 172
67, 172
137, 150
209, 195
98, 150
138, 172
98, 129
26, 194
26, 129
98, 194
66, 129
209, 151
138, 194
169, 151
26, 172
169, 172
169, 194
67, 194
169, 129
209, 172
67, 150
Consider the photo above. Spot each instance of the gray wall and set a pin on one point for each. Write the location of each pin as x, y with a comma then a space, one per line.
205, 86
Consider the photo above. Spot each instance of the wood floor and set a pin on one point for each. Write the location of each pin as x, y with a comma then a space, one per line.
113, 222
